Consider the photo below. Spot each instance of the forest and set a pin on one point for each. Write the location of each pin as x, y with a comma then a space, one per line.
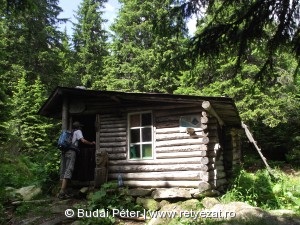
246, 50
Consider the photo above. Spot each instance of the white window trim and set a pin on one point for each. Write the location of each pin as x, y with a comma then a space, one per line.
129, 136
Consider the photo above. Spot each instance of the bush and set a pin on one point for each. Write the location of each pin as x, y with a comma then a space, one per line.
261, 190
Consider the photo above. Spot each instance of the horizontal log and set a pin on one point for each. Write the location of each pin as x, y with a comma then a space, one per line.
203, 160
156, 168
187, 148
166, 155
175, 130
165, 184
174, 136
178, 175
168, 124
112, 130
177, 161
113, 134
113, 126
176, 118
113, 121
170, 176
115, 156
113, 144
113, 150
199, 141
112, 139
167, 130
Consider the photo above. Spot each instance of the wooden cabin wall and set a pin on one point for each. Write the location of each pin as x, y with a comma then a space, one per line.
180, 160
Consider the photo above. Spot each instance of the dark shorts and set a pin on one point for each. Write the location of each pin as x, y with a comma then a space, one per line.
67, 163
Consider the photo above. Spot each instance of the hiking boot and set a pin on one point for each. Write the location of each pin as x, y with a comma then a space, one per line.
64, 196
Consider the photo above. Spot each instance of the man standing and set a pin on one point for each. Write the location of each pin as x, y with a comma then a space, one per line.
68, 159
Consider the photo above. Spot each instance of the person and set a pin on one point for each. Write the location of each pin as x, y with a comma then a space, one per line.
68, 159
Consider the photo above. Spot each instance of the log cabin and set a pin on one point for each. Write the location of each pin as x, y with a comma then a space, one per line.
151, 140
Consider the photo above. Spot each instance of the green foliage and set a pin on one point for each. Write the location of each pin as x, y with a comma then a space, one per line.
260, 190
90, 45
110, 197
32, 129
142, 57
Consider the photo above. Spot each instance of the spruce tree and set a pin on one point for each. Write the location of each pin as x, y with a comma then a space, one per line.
32, 41
147, 53
89, 40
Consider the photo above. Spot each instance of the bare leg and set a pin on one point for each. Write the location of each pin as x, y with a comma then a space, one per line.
64, 185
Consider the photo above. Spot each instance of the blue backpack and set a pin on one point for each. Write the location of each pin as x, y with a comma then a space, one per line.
65, 140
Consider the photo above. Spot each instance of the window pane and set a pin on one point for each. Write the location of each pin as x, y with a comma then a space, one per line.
147, 150
135, 120
135, 152
146, 119
135, 135
146, 134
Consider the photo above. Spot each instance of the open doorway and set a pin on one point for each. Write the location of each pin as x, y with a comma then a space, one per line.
85, 161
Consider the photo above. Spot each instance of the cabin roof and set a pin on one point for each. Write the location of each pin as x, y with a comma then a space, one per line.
103, 101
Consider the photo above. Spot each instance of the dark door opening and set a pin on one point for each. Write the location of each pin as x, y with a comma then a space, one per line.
85, 160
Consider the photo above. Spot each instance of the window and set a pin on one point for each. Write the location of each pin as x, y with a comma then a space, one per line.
140, 135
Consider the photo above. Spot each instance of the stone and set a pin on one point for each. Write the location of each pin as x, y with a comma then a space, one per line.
238, 210
148, 203
171, 193
140, 192
282, 212
84, 190
173, 211
163, 203
209, 202
204, 186
29, 192
208, 193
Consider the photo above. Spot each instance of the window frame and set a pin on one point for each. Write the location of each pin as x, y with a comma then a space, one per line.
140, 143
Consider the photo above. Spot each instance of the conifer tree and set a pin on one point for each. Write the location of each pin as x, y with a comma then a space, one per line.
148, 49
89, 40
32, 130
32, 40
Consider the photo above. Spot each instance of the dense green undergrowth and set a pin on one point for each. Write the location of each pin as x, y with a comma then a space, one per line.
277, 191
